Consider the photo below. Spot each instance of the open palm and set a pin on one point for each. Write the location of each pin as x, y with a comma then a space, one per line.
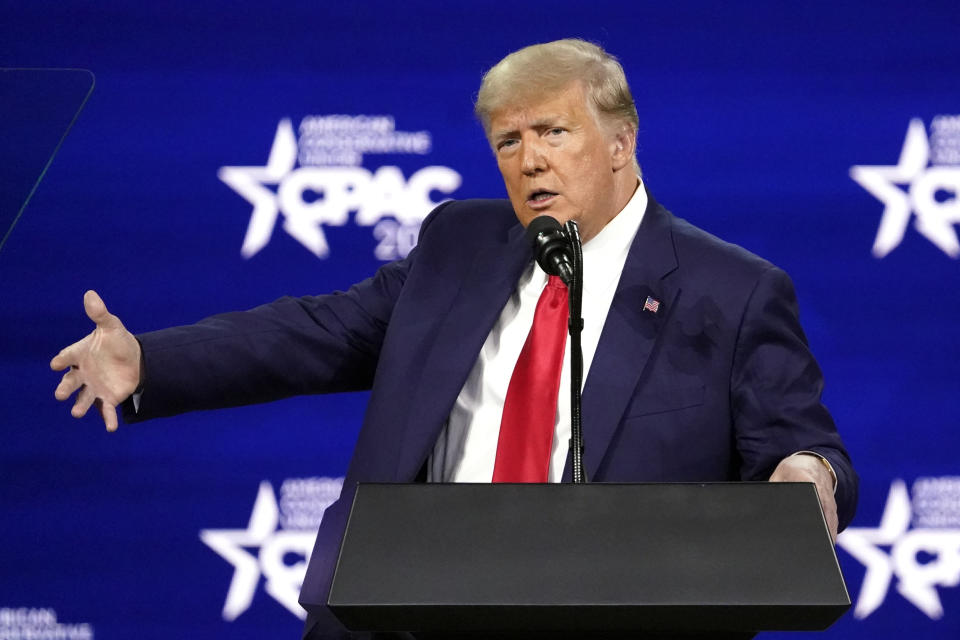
104, 366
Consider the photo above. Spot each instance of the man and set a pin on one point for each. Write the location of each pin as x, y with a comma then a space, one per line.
696, 366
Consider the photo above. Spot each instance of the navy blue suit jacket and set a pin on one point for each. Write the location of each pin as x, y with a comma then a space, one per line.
719, 384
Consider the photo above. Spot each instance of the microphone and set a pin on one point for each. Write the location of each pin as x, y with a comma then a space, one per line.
551, 247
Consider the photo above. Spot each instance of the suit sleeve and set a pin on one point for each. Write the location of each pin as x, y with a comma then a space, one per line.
776, 390
293, 346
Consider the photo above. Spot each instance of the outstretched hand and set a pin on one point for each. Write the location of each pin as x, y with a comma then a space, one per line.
105, 366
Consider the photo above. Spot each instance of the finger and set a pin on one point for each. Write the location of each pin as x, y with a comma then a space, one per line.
66, 357
832, 523
829, 505
84, 399
69, 383
109, 414
97, 310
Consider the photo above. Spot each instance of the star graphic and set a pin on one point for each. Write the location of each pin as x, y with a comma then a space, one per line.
251, 183
863, 544
880, 181
934, 219
229, 543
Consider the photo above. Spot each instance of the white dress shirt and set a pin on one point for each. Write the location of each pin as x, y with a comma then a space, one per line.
467, 447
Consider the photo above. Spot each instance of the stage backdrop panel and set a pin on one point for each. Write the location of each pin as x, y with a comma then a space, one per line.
235, 152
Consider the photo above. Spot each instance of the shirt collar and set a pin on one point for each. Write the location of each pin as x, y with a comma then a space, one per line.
605, 254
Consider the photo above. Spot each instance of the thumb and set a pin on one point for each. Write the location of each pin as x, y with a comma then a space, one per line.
97, 310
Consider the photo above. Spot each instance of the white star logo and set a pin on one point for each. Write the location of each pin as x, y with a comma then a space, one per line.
283, 581
934, 217
251, 183
916, 581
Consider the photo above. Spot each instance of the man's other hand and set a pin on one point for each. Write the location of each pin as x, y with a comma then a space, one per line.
808, 468
105, 366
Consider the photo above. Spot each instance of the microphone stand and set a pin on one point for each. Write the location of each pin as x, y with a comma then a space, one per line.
575, 327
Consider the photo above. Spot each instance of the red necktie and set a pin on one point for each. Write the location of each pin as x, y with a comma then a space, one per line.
530, 409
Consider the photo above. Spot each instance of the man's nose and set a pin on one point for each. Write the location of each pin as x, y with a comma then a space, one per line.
533, 160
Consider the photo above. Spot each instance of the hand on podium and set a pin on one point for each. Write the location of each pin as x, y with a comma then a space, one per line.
106, 366
802, 467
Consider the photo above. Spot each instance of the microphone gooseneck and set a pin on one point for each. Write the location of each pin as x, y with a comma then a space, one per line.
575, 326
559, 252
551, 247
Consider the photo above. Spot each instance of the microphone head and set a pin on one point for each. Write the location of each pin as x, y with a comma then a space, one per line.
541, 225
551, 247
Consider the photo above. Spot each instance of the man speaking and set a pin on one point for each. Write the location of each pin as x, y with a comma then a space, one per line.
696, 367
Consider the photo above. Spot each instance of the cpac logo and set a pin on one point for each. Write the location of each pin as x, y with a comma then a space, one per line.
935, 537
930, 192
317, 194
302, 503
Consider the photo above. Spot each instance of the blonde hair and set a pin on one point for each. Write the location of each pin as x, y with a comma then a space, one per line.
552, 66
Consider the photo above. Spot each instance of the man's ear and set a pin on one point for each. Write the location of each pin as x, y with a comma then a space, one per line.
623, 146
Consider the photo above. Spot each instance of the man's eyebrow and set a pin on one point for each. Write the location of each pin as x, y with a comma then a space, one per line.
546, 122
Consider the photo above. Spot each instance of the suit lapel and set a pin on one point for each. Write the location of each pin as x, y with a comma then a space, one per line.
476, 306
629, 334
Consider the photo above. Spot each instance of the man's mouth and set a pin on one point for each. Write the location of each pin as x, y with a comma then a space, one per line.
540, 197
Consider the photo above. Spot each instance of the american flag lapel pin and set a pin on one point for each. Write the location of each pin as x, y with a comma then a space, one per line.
652, 304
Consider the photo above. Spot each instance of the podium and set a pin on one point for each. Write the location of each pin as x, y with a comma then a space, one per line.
598, 560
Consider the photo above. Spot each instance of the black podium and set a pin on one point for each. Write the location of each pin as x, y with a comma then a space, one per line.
591, 559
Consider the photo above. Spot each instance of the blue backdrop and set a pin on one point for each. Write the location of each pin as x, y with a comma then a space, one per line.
235, 152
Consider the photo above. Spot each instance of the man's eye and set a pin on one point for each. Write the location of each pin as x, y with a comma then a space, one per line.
555, 131
506, 143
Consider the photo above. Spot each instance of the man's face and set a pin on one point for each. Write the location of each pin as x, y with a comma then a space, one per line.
556, 160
